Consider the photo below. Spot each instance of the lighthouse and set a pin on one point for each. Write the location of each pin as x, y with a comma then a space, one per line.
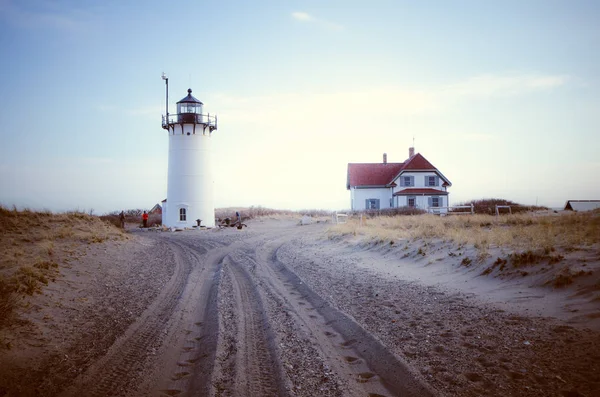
190, 178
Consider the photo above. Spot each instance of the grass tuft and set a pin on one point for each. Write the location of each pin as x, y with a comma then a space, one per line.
562, 280
466, 262
7, 301
525, 258
28, 279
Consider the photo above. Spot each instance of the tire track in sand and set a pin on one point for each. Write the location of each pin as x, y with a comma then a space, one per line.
248, 361
366, 366
189, 358
127, 360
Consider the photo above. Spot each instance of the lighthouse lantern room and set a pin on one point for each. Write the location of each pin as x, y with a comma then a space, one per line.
190, 178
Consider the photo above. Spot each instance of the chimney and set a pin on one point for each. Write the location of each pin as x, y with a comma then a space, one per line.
385, 158
411, 152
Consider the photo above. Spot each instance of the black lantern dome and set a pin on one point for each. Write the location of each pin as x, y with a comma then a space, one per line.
188, 108
189, 111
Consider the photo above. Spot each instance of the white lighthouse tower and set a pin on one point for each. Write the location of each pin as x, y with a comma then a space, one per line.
190, 179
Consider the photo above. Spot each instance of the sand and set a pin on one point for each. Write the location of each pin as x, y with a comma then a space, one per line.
280, 309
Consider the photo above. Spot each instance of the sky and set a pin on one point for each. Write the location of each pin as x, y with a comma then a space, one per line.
502, 97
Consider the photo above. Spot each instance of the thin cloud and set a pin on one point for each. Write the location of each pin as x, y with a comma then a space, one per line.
307, 18
548, 81
384, 101
302, 16
69, 20
503, 85
149, 110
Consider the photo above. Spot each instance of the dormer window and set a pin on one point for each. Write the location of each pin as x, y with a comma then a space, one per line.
408, 181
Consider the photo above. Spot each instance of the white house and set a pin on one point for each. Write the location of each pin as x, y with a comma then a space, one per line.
413, 183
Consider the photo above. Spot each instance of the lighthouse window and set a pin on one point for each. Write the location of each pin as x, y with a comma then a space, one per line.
182, 216
190, 108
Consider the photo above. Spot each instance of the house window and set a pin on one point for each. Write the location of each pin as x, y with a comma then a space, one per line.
411, 201
391, 203
431, 181
372, 204
408, 181
435, 201
182, 214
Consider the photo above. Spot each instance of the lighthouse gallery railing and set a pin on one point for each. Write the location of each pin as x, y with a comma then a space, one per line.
185, 118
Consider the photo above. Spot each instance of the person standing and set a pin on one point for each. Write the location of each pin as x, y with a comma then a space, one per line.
145, 219
122, 219
239, 217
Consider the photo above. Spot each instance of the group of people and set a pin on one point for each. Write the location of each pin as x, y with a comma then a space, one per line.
144, 219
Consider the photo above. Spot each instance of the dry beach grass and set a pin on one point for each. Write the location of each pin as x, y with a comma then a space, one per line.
34, 246
254, 212
541, 249
523, 232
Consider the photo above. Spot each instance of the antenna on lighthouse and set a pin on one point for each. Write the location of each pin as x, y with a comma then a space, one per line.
166, 79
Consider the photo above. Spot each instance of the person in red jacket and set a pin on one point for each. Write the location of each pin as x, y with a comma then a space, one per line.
145, 219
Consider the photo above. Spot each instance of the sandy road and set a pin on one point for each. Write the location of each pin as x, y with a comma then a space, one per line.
260, 288
233, 320
275, 310
148, 342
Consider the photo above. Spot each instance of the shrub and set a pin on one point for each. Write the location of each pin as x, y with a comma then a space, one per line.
133, 216
112, 219
257, 212
390, 212
488, 206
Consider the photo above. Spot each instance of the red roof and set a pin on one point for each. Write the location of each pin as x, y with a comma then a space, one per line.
418, 162
369, 174
379, 174
419, 191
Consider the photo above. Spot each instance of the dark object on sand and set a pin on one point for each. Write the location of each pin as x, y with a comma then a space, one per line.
227, 223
